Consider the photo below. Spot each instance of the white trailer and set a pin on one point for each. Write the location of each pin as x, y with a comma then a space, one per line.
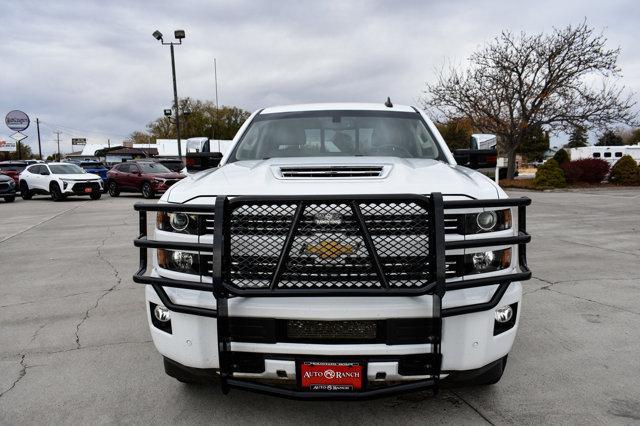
609, 153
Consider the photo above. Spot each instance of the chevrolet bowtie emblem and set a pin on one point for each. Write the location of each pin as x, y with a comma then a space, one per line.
329, 249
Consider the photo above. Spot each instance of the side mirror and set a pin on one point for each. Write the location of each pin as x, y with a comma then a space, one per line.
476, 158
198, 161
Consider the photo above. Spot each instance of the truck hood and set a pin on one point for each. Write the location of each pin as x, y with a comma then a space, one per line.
401, 176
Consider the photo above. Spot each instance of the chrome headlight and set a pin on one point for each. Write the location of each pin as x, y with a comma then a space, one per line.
487, 221
487, 261
184, 223
179, 261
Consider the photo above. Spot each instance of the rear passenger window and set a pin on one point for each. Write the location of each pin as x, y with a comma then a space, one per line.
607, 154
618, 154
596, 155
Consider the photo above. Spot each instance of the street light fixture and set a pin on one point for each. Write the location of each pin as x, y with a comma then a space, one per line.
179, 35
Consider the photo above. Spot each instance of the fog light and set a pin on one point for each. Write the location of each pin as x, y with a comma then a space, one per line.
504, 314
182, 261
179, 221
487, 220
161, 313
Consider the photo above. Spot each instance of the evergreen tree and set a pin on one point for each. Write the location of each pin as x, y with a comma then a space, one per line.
610, 138
578, 138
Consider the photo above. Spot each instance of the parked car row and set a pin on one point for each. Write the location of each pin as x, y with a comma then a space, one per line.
62, 179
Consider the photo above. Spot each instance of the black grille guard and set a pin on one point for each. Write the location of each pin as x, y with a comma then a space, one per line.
223, 288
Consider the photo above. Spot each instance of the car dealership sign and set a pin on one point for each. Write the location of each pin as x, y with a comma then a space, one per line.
17, 120
7, 145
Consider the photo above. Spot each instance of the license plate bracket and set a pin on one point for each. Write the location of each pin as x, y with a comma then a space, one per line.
331, 376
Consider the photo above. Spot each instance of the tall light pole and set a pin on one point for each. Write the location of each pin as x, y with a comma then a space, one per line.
179, 35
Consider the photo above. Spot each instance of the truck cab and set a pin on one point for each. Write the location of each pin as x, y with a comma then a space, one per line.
335, 251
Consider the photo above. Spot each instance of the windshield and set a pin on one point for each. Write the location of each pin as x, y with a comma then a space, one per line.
153, 168
12, 167
65, 169
337, 133
92, 165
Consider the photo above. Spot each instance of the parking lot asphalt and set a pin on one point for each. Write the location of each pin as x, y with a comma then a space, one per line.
75, 348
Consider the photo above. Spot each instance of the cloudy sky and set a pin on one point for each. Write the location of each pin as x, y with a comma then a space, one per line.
92, 69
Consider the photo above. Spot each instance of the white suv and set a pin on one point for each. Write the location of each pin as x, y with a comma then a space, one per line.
59, 180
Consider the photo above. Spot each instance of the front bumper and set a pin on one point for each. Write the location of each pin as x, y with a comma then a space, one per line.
81, 187
7, 190
468, 341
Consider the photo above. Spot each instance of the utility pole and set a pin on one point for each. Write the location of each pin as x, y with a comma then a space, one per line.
179, 35
215, 80
39, 144
109, 143
175, 101
58, 134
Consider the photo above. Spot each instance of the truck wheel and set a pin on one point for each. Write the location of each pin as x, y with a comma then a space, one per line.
95, 195
25, 192
56, 193
10, 199
147, 191
113, 189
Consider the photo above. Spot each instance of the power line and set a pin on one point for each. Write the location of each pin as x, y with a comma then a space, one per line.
80, 132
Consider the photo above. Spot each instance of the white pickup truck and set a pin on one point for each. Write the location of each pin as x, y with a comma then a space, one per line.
336, 251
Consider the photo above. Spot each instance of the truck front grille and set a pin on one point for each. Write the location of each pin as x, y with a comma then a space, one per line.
329, 249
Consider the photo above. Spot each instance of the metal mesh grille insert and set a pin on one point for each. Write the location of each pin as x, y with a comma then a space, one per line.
328, 248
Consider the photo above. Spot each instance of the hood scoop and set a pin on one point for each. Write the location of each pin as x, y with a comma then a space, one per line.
336, 172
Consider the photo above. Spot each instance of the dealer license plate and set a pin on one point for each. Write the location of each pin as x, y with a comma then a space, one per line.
331, 376
88, 189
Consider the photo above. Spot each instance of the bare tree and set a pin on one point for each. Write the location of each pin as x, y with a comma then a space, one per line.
518, 83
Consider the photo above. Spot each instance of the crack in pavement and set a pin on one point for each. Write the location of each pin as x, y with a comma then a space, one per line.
484, 417
116, 274
21, 374
600, 248
593, 301
23, 364
11, 305
553, 283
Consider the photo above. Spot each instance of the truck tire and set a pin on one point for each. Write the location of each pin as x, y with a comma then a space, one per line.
25, 192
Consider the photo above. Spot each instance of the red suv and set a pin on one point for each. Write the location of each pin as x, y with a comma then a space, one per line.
12, 168
140, 176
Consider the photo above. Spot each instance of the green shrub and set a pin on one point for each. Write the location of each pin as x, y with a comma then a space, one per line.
562, 156
549, 175
625, 172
